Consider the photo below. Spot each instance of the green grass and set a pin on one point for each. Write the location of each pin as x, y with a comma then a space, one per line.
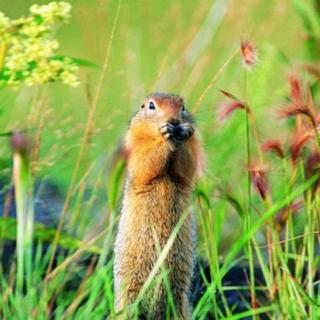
182, 47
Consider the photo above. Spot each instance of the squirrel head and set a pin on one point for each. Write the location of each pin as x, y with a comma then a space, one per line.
163, 107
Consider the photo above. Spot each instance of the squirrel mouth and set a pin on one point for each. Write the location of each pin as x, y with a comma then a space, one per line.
174, 122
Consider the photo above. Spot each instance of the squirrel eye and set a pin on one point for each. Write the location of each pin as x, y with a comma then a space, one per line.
152, 106
142, 106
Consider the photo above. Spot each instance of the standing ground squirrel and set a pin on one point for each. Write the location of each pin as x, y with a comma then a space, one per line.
163, 161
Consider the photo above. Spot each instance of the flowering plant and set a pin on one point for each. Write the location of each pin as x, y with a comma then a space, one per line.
27, 48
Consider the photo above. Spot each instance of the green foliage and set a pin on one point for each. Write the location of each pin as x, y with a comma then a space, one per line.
183, 47
310, 16
114, 185
43, 234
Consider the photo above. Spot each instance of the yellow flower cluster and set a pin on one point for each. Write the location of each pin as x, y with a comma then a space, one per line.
53, 12
27, 50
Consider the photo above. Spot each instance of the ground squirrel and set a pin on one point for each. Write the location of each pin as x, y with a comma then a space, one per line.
163, 161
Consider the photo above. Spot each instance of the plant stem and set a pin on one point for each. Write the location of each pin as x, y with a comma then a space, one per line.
314, 125
3, 51
310, 236
248, 215
25, 212
19, 188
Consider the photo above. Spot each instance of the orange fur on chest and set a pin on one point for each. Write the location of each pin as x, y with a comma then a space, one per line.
149, 155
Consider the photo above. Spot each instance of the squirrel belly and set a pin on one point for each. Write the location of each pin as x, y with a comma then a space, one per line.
162, 167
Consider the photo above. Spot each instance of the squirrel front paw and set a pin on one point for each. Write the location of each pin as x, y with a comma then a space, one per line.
177, 133
185, 131
168, 130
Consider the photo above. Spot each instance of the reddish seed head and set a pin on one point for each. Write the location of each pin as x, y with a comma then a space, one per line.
248, 52
312, 168
259, 180
294, 110
21, 143
313, 70
299, 105
229, 95
228, 108
313, 163
283, 215
298, 142
273, 146
295, 89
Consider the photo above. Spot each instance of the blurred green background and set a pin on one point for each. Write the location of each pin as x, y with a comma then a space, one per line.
174, 46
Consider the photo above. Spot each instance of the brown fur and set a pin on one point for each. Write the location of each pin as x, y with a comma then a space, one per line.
161, 175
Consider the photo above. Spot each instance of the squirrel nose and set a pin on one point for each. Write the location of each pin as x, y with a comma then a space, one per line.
174, 122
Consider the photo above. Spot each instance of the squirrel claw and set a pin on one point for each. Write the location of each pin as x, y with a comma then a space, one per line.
168, 131
167, 136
